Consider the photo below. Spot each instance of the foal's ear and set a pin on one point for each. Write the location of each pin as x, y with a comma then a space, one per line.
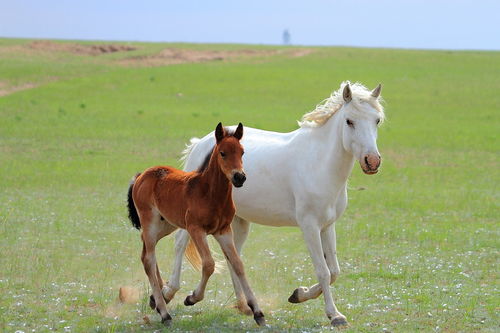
219, 133
238, 134
377, 90
347, 94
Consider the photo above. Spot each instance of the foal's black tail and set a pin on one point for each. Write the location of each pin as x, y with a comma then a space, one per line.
132, 212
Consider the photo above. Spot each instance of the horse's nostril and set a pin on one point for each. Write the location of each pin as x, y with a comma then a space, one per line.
366, 161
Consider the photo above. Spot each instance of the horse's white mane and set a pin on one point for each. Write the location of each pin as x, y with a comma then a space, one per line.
323, 111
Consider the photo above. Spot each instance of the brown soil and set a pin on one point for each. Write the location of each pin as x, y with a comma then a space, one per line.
5, 89
81, 49
172, 56
129, 295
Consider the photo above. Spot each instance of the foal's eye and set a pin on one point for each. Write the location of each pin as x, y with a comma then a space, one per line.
223, 154
349, 123
242, 153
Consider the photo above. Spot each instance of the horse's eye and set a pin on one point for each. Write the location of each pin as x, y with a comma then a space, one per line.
349, 123
223, 154
378, 121
242, 153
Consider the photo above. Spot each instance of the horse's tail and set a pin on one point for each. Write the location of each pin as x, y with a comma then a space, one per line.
132, 212
194, 258
189, 148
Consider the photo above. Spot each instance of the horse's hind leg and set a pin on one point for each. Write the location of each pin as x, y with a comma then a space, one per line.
173, 284
199, 238
149, 222
240, 233
225, 240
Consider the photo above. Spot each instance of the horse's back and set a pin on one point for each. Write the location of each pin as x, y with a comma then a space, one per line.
266, 196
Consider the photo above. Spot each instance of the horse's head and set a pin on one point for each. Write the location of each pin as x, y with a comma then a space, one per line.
229, 154
360, 124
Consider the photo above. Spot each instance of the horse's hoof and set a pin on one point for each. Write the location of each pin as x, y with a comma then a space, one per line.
259, 318
152, 303
188, 301
167, 321
339, 321
295, 297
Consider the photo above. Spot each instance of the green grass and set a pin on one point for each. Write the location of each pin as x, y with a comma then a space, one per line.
418, 248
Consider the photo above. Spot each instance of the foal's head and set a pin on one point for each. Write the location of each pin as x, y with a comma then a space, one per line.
229, 153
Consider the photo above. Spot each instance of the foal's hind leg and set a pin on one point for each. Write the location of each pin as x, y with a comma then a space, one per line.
199, 238
149, 222
163, 229
225, 240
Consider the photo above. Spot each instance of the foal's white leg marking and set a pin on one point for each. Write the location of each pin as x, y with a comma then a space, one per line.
149, 261
313, 240
240, 233
173, 284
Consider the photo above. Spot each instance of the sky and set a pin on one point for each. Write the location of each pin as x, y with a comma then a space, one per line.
424, 24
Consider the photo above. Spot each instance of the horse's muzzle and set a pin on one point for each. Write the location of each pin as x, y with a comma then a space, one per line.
371, 163
238, 179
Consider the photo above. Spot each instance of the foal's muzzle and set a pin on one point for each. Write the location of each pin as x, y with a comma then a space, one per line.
238, 179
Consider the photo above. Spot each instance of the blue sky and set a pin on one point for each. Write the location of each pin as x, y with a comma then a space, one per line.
441, 24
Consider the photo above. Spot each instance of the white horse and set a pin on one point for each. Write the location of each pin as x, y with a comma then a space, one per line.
300, 179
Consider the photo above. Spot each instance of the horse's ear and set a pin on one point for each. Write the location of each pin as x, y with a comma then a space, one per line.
238, 134
219, 133
347, 94
377, 90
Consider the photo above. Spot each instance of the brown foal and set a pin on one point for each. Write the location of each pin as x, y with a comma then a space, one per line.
162, 199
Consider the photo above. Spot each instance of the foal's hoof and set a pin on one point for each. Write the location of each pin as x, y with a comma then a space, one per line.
243, 308
259, 318
152, 302
189, 301
167, 321
295, 297
339, 321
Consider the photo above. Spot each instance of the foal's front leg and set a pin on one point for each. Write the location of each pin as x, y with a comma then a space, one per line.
199, 238
225, 240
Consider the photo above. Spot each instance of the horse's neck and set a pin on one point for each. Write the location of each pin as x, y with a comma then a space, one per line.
324, 144
219, 185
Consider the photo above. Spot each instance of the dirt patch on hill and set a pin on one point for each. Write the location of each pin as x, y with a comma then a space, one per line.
6, 89
81, 49
173, 56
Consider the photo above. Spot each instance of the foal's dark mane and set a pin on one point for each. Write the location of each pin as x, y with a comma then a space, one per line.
204, 165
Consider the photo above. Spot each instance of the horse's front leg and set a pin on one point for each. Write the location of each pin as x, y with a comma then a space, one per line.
199, 238
173, 284
328, 243
312, 236
225, 239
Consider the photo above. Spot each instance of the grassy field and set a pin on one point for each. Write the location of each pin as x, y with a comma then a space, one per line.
418, 245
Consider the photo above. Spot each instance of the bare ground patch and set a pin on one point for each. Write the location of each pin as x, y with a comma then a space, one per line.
80, 49
173, 56
6, 89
